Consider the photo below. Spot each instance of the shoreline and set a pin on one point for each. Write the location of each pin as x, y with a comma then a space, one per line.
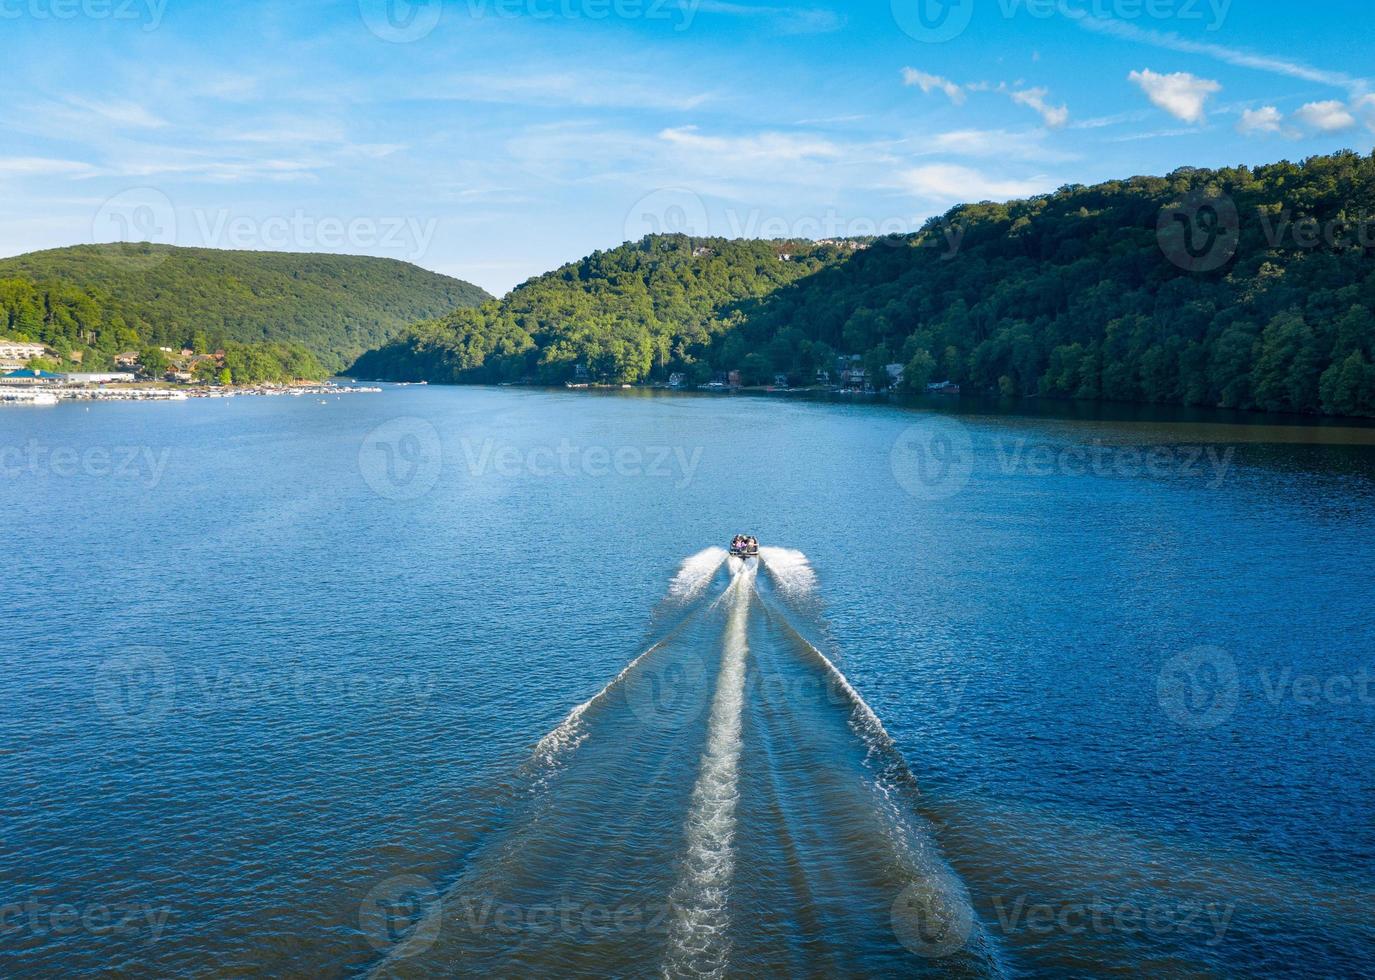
41, 395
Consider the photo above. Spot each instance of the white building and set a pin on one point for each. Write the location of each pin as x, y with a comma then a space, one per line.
17, 353
109, 377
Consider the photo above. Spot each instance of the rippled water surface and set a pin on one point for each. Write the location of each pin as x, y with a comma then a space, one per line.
460, 681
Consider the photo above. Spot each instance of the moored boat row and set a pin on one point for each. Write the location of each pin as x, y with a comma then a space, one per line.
52, 395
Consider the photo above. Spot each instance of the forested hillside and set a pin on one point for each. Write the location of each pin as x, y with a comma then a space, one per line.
664, 303
1084, 293
104, 299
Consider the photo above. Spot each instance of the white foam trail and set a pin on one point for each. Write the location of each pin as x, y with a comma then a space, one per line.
693, 576
791, 570
863, 719
917, 852
570, 732
695, 573
698, 944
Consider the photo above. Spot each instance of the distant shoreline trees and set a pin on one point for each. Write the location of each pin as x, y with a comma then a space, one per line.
102, 301
1074, 294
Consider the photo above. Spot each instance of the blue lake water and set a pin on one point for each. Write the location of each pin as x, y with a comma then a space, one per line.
458, 681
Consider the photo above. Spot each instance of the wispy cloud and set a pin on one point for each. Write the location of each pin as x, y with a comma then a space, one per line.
44, 167
762, 148
1117, 119
1033, 98
579, 88
1037, 98
1231, 56
120, 113
997, 144
929, 83
1156, 134
788, 20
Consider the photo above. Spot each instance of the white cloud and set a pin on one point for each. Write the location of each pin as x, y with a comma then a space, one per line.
1035, 98
951, 182
1266, 119
929, 83
1326, 117
770, 148
1181, 94
998, 144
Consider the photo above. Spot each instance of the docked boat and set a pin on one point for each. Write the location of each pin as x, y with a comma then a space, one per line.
21, 396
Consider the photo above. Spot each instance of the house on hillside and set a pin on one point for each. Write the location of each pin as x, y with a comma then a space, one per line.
15, 354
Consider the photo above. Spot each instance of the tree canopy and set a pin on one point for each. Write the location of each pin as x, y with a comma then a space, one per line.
105, 299
638, 311
1081, 293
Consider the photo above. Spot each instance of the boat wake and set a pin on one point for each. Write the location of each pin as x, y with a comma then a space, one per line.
695, 573
730, 798
698, 940
791, 571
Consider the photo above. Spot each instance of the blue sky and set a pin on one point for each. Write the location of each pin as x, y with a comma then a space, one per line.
496, 139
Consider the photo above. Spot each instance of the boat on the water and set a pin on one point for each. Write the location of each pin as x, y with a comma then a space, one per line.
20, 396
744, 546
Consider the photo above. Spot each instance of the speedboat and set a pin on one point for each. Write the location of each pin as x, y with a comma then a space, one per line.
744, 546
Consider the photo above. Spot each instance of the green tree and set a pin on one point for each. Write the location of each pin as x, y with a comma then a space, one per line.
153, 362
1348, 388
918, 371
